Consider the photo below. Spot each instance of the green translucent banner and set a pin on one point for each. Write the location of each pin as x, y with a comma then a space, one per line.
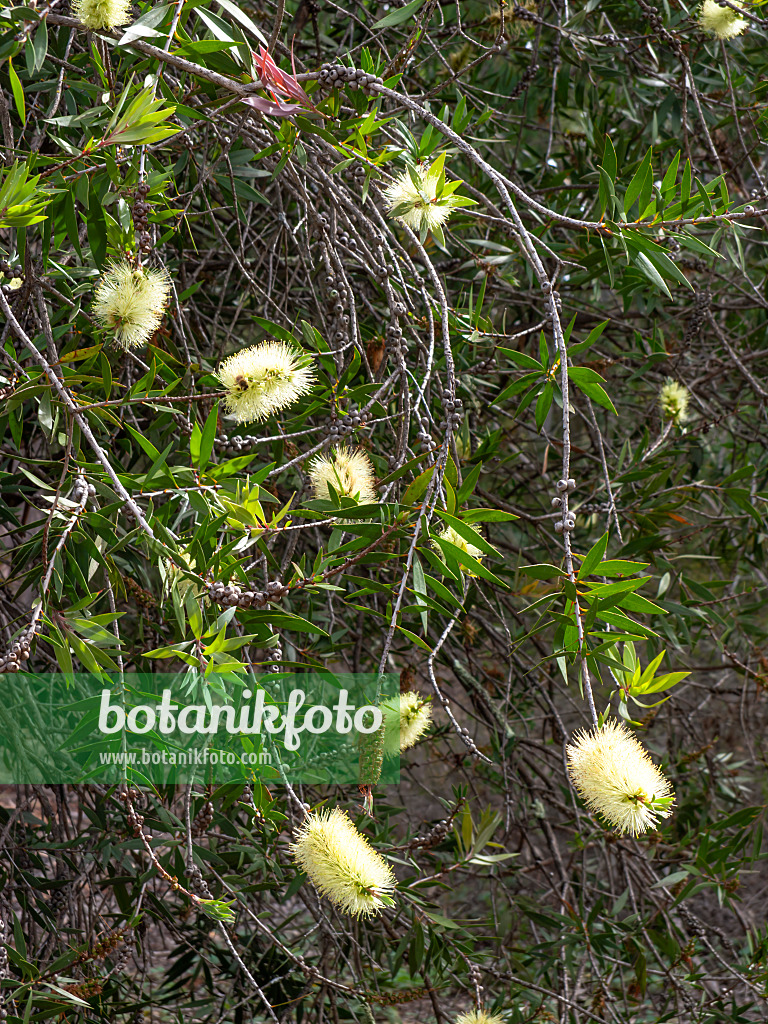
165, 728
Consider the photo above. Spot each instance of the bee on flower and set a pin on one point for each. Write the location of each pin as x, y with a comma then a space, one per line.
614, 775
100, 15
342, 864
421, 198
721, 21
264, 379
130, 301
406, 719
673, 402
348, 471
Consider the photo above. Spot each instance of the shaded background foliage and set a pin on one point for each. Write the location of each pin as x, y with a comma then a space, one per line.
634, 147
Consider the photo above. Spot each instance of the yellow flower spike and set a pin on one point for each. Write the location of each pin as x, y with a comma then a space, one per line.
98, 15
615, 776
342, 864
130, 301
479, 1017
347, 470
455, 538
264, 379
673, 402
406, 719
421, 198
720, 21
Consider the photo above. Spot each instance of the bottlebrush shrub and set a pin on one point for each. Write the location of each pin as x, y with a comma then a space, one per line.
494, 275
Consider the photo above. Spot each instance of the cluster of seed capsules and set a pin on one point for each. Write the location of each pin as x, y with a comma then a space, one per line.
181, 421
203, 820
568, 522
356, 173
309, 969
136, 822
469, 743
344, 238
349, 242
530, 72
197, 884
523, 14
337, 295
337, 429
660, 30
59, 900
82, 490
129, 794
394, 336
453, 410
702, 302
229, 595
238, 442
18, 652
378, 271
424, 437
121, 960
475, 975
333, 76
435, 836
141, 210
9, 272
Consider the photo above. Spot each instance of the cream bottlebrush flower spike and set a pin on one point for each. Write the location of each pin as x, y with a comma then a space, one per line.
455, 538
421, 198
722, 22
348, 471
130, 301
406, 719
673, 402
614, 775
98, 15
479, 1017
264, 379
342, 864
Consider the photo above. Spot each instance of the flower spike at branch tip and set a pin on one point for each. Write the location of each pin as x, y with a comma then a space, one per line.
421, 198
673, 402
720, 21
131, 301
615, 776
479, 1017
348, 471
407, 718
342, 864
264, 379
